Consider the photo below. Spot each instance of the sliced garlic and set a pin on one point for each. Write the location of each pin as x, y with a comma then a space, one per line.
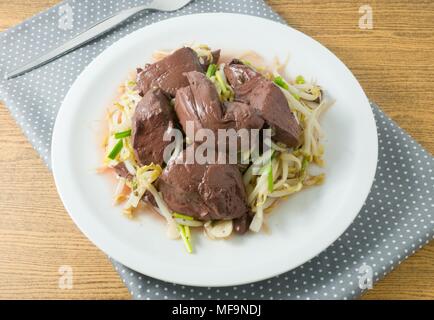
219, 229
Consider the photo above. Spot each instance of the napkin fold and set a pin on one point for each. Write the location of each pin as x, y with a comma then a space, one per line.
396, 220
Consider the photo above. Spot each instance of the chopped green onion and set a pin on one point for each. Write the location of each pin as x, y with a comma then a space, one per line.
134, 184
265, 167
211, 70
182, 216
270, 179
187, 242
188, 233
299, 80
281, 83
296, 96
221, 82
116, 149
124, 134
304, 164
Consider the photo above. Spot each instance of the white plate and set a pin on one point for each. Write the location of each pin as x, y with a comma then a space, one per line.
301, 227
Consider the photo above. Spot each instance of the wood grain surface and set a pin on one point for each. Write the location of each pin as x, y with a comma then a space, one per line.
394, 62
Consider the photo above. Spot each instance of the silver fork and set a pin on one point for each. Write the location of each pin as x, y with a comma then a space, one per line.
96, 31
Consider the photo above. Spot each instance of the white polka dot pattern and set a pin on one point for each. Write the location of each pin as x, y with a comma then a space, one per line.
396, 219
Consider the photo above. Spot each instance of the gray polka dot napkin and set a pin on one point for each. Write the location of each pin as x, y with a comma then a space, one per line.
396, 220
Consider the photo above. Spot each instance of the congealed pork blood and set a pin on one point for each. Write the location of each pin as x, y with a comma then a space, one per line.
168, 73
238, 73
264, 96
152, 118
199, 103
239, 115
204, 192
242, 118
241, 225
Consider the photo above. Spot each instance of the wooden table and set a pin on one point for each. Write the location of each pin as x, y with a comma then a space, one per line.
394, 62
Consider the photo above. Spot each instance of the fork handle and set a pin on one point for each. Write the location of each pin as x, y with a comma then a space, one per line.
106, 25
90, 34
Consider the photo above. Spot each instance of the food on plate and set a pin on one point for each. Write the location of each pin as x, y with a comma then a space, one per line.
199, 102
153, 118
153, 148
208, 192
263, 95
239, 115
168, 74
